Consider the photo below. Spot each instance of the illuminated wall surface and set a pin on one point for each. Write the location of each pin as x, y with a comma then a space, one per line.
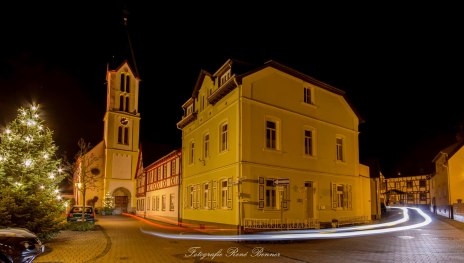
448, 181
119, 149
241, 132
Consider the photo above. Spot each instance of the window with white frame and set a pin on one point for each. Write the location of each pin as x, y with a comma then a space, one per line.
192, 152
206, 197
173, 167
341, 196
206, 146
339, 148
191, 196
308, 142
224, 194
148, 203
163, 202
308, 98
157, 203
224, 137
171, 202
270, 194
271, 134
153, 204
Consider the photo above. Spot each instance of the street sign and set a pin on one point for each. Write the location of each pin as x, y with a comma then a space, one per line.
281, 181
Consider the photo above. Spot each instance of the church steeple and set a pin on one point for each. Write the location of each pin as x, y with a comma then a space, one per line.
122, 47
122, 121
131, 49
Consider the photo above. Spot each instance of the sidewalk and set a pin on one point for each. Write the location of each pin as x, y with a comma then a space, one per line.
76, 246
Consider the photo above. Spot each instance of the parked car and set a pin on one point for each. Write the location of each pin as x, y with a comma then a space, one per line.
75, 214
19, 245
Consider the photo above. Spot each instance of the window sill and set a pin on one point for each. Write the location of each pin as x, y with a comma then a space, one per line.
272, 150
311, 157
309, 105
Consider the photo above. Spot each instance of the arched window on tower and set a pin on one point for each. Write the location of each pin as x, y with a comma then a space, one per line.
120, 135
127, 84
121, 84
121, 102
126, 135
127, 104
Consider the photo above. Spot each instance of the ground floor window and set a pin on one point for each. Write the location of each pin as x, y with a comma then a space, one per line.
163, 202
171, 202
341, 196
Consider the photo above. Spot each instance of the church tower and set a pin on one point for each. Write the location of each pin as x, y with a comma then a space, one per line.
113, 162
121, 125
121, 135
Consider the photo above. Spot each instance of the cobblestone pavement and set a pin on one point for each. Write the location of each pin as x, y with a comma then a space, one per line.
119, 239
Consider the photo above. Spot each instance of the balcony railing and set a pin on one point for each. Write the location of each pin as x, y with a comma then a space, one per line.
270, 224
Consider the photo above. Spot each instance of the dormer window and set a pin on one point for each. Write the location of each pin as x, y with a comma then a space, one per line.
224, 78
189, 109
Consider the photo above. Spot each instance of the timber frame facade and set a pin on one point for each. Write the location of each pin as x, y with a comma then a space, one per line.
406, 190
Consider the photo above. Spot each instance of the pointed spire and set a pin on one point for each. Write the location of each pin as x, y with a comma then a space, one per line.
131, 49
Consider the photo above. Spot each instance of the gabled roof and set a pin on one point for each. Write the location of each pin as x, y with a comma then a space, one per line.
450, 150
118, 67
201, 77
242, 69
239, 67
297, 74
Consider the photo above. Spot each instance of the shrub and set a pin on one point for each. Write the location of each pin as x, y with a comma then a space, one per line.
81, 226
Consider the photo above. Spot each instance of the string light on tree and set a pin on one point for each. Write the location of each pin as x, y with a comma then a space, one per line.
31, 187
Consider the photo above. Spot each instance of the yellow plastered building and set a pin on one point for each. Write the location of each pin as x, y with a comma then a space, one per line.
268, 145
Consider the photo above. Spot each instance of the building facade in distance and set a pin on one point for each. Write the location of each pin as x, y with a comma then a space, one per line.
158, 189
406, 190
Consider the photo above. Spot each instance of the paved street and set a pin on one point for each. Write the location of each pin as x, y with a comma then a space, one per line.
119, 239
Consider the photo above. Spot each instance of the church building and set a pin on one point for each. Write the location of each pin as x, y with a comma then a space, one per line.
112, 164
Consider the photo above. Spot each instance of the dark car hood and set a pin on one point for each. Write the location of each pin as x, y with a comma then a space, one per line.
16, 232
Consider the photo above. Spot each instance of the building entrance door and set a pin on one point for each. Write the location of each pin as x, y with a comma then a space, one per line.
309, 199
120, 202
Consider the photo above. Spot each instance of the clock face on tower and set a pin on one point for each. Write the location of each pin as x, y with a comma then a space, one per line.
124, 121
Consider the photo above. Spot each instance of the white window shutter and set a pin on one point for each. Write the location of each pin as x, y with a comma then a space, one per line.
229, 193
214, 194
334, 195
350, 200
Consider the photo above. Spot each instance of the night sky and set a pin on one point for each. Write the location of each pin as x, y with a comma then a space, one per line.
401, 67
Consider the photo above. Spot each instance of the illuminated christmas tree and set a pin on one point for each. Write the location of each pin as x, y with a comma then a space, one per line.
29, 175
108, 202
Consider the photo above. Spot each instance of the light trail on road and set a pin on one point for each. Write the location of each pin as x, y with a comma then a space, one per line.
309, 234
